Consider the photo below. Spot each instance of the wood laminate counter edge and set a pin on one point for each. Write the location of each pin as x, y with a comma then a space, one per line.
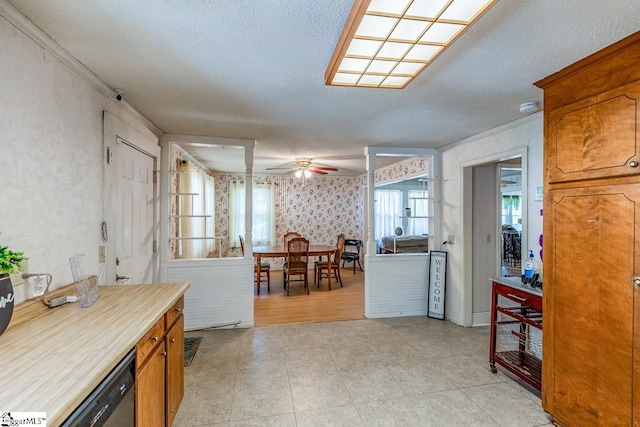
52, 362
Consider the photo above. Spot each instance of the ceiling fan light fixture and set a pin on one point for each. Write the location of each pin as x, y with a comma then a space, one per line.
307, 173
298, 173
411, 33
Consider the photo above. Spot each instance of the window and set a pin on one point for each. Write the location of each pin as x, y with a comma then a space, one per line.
263, 213
419, 205
387, 212
195, 213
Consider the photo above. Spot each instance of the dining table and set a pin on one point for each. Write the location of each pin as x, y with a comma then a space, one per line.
260, 252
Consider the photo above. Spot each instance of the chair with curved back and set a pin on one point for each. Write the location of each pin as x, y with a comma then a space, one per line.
288, 236
297, 262
350, 256
321, 267
265, 269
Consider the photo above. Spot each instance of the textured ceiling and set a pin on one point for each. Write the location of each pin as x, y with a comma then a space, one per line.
254, 69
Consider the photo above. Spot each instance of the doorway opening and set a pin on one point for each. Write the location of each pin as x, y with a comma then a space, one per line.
495, 227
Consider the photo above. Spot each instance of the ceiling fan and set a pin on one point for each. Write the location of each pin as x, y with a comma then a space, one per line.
304, 168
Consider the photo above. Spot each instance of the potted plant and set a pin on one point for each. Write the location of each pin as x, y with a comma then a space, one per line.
10, 262
398, 231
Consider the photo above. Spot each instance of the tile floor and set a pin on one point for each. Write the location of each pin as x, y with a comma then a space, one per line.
411, 371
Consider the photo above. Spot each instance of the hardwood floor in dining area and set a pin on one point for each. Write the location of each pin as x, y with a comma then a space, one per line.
322, 305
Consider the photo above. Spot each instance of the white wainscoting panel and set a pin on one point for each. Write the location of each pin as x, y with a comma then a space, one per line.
221, 291
396, 285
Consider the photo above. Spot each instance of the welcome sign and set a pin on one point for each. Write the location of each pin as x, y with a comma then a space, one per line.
437, 284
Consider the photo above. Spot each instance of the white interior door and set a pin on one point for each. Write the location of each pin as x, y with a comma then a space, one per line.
134, 222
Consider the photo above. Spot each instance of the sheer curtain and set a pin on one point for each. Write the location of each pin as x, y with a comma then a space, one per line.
419, 207
196, 208
236, 213
209, 210
387, 212
263, 214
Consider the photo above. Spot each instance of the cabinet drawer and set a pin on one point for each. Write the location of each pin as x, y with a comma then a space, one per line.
146, 345
521, 297
174, 312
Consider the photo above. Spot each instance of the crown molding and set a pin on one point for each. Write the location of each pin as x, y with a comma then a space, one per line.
18, 20
498, 129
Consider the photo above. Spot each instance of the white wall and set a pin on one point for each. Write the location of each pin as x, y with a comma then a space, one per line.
526, 132
51, 170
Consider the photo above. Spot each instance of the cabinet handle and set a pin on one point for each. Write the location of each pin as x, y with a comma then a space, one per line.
178, 310
637, 282
633, 164
173, 340
155, 339
164, 353
517, 297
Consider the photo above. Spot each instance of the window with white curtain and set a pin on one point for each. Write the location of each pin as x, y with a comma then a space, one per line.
263, 214
387, 211
419, 205
196, 207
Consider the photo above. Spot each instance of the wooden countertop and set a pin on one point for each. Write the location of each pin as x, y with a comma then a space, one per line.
53, 358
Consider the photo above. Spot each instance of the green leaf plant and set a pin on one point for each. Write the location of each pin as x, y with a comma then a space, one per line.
10, 261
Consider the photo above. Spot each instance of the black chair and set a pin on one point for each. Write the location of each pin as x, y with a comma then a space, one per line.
349, 255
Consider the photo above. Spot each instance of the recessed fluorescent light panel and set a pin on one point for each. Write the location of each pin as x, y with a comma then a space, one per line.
386, 43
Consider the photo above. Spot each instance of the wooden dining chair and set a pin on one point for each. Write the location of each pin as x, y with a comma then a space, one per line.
288, 236
265, 269
321, 267
297, 262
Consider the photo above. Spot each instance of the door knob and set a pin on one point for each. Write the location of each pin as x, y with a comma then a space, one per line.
118, 277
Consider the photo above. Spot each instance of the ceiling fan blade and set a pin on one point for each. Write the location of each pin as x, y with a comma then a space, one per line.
319, 172
273, 169
322, 168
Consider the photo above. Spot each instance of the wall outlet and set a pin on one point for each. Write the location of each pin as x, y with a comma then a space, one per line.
451, 239
102, 253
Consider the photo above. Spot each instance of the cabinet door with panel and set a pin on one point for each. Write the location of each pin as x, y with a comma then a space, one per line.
598, 137
591, 343
175, 368
150, 390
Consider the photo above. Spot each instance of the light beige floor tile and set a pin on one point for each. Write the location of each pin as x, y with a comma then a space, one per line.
318, 391
210, 370
417, 376
509, 407
303, 361
283, 420
342, 416
447, 408
205, 404
261, 397
468, 370
370, 381
355, 354
270, 364
261, 340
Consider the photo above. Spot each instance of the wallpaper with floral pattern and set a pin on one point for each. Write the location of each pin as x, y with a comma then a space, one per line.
320, 210
400, 170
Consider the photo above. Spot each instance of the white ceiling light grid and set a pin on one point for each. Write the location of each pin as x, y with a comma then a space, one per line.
386, 43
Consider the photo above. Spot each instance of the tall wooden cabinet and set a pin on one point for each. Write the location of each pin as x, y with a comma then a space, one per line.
591, 328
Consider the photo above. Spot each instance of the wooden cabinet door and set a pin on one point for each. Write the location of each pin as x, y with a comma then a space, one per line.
591, 260
595, 138
175, 369
150, 386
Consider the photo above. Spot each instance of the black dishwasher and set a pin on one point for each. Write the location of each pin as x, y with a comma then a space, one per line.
112, 402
